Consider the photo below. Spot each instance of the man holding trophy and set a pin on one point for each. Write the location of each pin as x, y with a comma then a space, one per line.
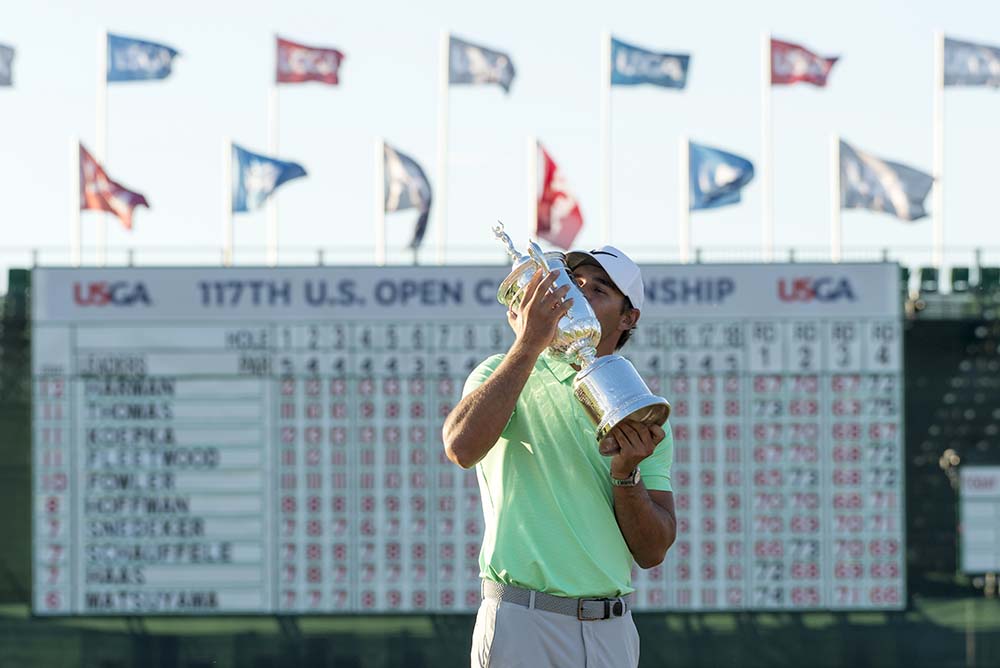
573, 465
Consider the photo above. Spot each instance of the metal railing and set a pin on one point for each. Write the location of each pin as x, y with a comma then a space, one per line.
913, 257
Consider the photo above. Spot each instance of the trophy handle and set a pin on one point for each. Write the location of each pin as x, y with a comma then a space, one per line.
536, 254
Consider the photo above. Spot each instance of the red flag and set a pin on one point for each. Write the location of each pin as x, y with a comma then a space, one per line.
559, 219
99, 193
791, 63
297, 63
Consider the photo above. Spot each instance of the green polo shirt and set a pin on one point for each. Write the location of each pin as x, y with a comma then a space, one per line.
547, 499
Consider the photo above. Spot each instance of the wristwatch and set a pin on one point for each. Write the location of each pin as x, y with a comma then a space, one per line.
631, 481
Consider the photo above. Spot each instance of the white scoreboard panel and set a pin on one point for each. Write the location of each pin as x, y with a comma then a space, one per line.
237, 441
979, 511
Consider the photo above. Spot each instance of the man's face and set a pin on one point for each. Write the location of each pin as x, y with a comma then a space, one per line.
606, 300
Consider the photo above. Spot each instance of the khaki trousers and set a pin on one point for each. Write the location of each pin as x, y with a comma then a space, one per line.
508, 635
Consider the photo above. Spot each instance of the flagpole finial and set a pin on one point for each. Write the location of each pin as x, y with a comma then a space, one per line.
504, 238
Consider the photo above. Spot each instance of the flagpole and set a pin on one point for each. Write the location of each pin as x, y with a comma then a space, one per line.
74, 201
767, 213
227, 202
272, 201
606, 137
531, 155
102, 138
835, 203
380, 251
684, 198
938, 187
441, 210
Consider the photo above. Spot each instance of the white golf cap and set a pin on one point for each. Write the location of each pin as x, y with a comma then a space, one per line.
622, 271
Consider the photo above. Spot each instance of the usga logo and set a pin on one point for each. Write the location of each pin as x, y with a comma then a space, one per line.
118, 293
807, 289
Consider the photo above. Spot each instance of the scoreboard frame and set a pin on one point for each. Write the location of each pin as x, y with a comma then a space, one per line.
137, 322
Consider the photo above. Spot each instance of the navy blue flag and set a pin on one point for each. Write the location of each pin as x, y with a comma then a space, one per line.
6, 65
867, 182
968, 64
138, 60
407, 187
473, 64
716, 177
256, 176
632, 65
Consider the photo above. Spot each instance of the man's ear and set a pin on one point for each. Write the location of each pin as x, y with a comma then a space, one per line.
629, 319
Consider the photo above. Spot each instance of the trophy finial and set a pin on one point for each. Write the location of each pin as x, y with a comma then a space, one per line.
505, 239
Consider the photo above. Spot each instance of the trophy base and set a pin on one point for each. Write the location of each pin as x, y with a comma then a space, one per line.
651, 410
611, 390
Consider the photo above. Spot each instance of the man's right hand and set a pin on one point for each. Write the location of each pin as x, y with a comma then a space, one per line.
535, 320
477, 421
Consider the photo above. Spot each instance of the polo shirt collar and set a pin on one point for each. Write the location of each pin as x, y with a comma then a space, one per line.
561, 370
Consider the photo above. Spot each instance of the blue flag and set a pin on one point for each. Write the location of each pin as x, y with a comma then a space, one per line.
407, 187
867, 182
473, 64
632, 65
968, 64
6, 65
716, 177
138, 60
256, 176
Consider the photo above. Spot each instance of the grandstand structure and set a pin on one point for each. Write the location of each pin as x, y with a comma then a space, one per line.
953, 412
952, 419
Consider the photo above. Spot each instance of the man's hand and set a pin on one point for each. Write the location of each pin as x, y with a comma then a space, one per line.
536, 318
635, 441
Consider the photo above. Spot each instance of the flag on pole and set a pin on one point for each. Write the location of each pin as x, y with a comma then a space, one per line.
559, 217
132, 59
297, 63
100, 193
256, 176
473, 64
968, 64
715, 177
867, 182
791, 63
406, 187
6, 65
632, 65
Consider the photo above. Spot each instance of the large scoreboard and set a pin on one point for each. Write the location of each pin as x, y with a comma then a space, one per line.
250, 440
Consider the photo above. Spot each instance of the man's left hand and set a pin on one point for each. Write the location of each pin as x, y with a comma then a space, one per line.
635, 442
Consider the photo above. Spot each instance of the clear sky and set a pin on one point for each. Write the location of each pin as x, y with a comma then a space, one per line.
166, 137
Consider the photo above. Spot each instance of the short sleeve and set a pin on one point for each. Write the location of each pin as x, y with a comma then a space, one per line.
481, 373
479, 376
656, 468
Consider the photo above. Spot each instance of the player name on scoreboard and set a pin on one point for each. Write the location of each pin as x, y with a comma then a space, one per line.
217, 441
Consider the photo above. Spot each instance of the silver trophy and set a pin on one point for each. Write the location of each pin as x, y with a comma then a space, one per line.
609, 387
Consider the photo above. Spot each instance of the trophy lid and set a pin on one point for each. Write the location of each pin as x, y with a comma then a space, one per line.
509, 292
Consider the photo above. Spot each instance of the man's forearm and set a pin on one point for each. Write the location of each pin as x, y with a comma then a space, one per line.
475, 424
649, 529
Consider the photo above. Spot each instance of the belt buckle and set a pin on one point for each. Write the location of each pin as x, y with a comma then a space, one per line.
580, 613
612, 608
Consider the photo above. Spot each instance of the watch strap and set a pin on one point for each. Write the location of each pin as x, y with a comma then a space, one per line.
631, 481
